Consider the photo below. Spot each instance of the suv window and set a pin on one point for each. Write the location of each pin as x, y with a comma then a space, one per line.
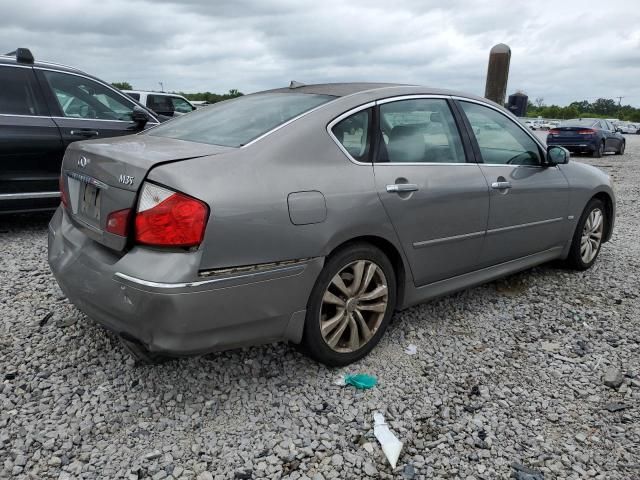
180, 105
80, 97
419, 131
17, 95
161, 104
354, 133
500, 139
135, 96
234, 123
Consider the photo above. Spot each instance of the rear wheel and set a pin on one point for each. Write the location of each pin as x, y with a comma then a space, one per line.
350, 305
588, 236
621, 149
597, 153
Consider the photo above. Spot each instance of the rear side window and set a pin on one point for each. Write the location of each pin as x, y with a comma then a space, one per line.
135, 96
354, 134
419, 131
17, 93
236, 122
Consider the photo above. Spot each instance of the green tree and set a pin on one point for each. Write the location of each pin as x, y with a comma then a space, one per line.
604, 106
122, 85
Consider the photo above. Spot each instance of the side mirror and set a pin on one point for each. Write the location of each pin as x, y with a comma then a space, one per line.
557, 156
140, 116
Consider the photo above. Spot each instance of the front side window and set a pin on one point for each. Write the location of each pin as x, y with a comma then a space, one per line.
236, 122
17, 95
80, 97
419, 131
354, 134
180, 105
500, 139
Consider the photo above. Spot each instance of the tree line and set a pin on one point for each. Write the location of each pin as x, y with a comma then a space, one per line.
601, 108
200, 96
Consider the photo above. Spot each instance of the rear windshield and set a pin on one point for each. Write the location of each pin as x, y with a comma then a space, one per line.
236, 122
583, 122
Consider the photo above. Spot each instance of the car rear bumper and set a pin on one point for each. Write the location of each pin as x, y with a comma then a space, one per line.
191, 316
574, 145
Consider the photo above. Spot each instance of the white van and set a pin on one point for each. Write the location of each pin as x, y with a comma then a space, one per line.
167, 104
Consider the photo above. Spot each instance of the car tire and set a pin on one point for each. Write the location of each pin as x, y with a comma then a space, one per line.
579, 258
598, 152
141, 354
342, 312
621, 149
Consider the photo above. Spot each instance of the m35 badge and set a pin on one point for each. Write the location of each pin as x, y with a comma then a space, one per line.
125, 179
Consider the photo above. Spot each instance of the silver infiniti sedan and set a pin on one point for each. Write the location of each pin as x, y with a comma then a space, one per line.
310, 214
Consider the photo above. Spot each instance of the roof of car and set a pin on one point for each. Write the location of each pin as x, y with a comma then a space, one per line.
335, 89
11, 60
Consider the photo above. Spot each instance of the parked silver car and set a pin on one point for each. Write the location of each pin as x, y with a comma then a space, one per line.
310, 214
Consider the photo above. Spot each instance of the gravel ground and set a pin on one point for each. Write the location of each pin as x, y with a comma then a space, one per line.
507, 376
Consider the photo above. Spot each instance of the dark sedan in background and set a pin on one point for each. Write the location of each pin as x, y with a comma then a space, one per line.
587, 135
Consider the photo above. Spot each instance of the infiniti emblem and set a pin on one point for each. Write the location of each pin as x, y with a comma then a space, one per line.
82, 162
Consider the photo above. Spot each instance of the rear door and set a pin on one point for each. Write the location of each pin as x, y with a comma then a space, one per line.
436, 198
30, 145
84, 108
528, 201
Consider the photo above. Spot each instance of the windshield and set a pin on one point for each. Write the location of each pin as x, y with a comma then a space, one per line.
236, 122
580, 122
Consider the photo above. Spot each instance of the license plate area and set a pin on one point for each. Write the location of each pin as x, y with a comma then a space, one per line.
85, 200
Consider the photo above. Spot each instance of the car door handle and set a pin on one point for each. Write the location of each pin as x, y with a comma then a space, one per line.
501, 185
402, 187
85, 133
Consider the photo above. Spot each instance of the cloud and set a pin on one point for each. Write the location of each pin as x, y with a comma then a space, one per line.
561, 51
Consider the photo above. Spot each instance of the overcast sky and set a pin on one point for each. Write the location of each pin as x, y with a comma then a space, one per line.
561, 50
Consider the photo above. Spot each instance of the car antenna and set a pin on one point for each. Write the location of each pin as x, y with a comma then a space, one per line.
295, 84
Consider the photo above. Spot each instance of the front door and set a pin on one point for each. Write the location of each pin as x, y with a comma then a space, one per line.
436, 199
86, 109
528, 201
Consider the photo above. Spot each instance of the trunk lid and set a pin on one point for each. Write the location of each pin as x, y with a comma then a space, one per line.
104, 176
571, 132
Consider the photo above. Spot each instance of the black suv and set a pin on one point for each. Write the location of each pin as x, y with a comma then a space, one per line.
43, 108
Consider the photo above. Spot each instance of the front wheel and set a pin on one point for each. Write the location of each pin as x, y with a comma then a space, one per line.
588, 236
350, 305
621, 149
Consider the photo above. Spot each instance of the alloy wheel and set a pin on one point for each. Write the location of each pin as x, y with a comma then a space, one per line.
591, 235
353, 306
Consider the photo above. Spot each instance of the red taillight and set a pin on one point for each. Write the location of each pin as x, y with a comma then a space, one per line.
586, 131
170, 219
553, 131
118, 222
64, 197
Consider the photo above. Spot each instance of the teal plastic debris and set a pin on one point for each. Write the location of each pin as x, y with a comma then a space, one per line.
361, 381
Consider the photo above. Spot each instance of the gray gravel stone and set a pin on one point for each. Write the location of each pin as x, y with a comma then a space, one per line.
613, 378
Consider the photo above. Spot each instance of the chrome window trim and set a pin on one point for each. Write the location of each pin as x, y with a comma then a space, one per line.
417, 164
104, 84
28, 195
412, 96
497, 109
23, 116
341, 117
288, 122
